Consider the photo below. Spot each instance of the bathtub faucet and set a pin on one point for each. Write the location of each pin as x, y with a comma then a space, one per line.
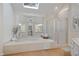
14, 33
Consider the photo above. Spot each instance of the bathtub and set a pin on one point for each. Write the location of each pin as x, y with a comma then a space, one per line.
18, 46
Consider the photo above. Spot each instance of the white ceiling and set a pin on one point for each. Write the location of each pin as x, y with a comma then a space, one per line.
44, 8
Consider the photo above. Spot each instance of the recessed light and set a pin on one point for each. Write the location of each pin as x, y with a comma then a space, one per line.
19, 24
56, 8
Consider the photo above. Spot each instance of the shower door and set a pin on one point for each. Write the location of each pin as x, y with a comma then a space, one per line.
61, 31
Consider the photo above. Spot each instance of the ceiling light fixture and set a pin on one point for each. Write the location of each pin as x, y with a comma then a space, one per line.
31, 5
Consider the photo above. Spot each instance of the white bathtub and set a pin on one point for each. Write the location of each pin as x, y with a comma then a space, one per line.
28, 45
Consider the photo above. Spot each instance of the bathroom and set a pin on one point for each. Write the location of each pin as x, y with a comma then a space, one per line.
39, 29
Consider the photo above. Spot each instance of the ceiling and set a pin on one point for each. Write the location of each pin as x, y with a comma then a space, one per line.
44, 8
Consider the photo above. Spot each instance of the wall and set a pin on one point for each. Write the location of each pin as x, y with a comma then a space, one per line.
49, 26
8, 18
6, 24
73, 11
1, 23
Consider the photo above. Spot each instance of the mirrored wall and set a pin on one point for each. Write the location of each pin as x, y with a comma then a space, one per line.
30, 26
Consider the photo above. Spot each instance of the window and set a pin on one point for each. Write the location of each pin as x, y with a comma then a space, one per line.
38, 28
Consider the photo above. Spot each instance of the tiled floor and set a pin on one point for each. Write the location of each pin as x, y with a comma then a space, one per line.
48, 52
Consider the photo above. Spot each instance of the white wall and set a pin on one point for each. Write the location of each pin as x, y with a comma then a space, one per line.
73, 11
1, 23
49, 26
8, 18
6, 23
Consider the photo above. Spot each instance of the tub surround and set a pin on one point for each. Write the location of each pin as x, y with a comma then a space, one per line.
28, 45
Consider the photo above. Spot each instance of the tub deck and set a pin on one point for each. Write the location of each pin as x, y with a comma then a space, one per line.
28, 45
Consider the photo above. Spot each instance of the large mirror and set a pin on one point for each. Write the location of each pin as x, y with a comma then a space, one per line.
31, 25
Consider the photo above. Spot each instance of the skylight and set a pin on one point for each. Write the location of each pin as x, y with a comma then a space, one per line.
31, 5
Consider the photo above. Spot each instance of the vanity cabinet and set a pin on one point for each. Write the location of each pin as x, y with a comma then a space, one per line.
75, 47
